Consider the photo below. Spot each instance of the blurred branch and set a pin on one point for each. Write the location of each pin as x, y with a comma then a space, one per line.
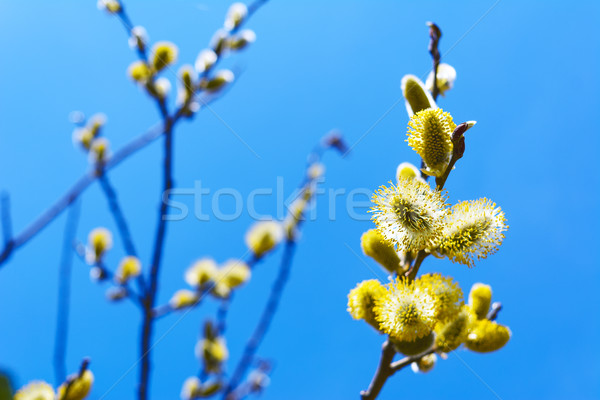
493, 314
332, 141
118, 215
150, 296
434, 38
383, 372
434, 34
121, 222
169, 123
6, 218
107, 275
265, 319
64, 294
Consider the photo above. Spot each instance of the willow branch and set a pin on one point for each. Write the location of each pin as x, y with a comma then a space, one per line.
412, 273
406, 361
434, 35
121, 222
387, 368
493, 314
64, 295
383, 372
161, 231
6, 218
266, 318
118, 215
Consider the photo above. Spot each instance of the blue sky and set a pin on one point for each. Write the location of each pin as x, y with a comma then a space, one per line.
527, 72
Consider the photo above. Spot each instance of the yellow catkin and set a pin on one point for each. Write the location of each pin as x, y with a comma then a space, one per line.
473, 230
361, 301
486, 336
480, 299
410, 215
379, 249
404, 313
429, 134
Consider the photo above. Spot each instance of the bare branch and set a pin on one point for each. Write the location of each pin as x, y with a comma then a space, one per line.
64, 295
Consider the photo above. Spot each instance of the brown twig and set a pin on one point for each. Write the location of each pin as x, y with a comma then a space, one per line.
382, 373
434, 35
412, 273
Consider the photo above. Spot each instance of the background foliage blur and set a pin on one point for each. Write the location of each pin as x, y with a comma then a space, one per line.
526, 73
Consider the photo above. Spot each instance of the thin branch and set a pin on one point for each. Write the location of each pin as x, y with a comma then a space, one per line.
107, 275
64, 295
387, 368
493, 314
161, 231
6, 218
434, 34
265, 320
121, 222
118, 215
383, 372
458, 150
412, 273
406, 361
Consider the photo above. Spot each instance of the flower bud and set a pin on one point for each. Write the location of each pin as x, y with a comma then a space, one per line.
163, 54
201, 272
116, 293
36, 390
162, 87
213, 352
218, 43
407, 171
480, 299
375, 246
110, 6
429, 134
97, 274
417, 97
452, 333
129, 267
316, 170
205, 60
79, 388
446, 75
361, 301
187, 77
99, 151
183, 298
424, 364
99, 242
263, 236
241, 40
139, 72
220, 290
191, 388
138, 39
233, 273
486, 336
221, 78
235, 16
